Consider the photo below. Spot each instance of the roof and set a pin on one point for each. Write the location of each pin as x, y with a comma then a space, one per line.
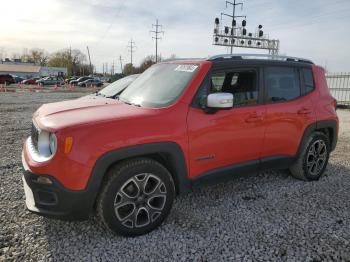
244, 58
19, 68
260, 56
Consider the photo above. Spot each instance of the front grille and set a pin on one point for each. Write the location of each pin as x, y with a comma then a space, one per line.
34, 134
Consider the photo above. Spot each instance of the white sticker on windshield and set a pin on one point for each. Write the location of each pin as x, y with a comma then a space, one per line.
186, 68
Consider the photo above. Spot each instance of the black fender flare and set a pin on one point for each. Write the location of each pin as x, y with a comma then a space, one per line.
323, 124
172, 151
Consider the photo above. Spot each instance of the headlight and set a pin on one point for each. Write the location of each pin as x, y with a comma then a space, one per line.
47, 144
53, 143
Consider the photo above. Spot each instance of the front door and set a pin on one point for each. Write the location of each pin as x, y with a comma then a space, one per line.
226, 137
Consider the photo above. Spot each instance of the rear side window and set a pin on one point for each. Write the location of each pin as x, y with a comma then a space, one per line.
282, 84
308, 80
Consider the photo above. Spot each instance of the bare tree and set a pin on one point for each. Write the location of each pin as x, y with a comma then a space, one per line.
39, 56
72, 59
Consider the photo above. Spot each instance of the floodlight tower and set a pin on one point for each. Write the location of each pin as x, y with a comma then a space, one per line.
238, 36
234, 4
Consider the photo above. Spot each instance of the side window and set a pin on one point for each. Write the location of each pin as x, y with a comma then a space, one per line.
243, 86
308, 80
282, 84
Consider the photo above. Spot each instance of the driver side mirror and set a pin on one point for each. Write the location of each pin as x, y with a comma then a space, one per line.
220, 100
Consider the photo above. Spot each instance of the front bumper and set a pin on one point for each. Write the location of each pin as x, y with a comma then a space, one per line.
53, 200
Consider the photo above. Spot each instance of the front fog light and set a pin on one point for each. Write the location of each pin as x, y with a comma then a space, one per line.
43, 180
53, 143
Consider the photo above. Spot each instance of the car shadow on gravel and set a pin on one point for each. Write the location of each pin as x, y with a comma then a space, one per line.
198, 215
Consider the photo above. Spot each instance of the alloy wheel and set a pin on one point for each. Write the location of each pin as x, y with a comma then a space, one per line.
140, 200
316, 157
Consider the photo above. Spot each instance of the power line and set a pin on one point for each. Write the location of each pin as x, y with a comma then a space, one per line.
120, 8
156, 33
131, 49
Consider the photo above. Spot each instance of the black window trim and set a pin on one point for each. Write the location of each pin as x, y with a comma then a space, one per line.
303, 81
235, 68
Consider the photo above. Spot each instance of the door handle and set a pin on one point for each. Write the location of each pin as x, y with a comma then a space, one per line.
304, 111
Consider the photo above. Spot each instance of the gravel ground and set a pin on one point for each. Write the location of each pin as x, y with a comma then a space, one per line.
265, 216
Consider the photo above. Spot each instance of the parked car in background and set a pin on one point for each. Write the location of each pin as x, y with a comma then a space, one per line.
17, 79
90, 82
115, 89
67, 80
30, 81
51, 80
6, 79
105, 79
80, 79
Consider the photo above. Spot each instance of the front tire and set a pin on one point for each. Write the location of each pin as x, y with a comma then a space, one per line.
136, 197
313, 158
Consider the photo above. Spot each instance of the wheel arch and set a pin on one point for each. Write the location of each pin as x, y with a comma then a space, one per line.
169, 154
328, 127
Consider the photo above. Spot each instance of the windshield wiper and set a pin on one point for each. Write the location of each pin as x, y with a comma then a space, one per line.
132, 104
99, 94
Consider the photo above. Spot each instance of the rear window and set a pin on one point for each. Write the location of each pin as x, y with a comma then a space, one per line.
282, 84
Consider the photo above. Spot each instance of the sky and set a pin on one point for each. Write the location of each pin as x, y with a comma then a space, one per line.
317, 29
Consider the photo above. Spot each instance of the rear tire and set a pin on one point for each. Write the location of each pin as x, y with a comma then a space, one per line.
136, 197
313, 159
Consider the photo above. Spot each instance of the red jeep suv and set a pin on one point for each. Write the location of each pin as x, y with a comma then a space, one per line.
179, 124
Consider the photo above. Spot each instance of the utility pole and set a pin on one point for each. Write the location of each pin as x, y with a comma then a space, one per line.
234, 4
131, 49
89, 58
156, 33
70, 60
121, 64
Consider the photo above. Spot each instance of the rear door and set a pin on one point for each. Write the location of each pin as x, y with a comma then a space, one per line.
229, 137
288, 111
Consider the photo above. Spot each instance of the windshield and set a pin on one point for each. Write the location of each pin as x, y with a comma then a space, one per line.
160, 85
117, 86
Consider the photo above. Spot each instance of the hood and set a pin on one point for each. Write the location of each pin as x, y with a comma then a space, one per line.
72, 113
91, 96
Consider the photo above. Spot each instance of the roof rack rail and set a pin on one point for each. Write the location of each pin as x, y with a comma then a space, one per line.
182, 59
259, 56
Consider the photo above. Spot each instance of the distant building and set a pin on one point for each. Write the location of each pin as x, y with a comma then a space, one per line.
28, 70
